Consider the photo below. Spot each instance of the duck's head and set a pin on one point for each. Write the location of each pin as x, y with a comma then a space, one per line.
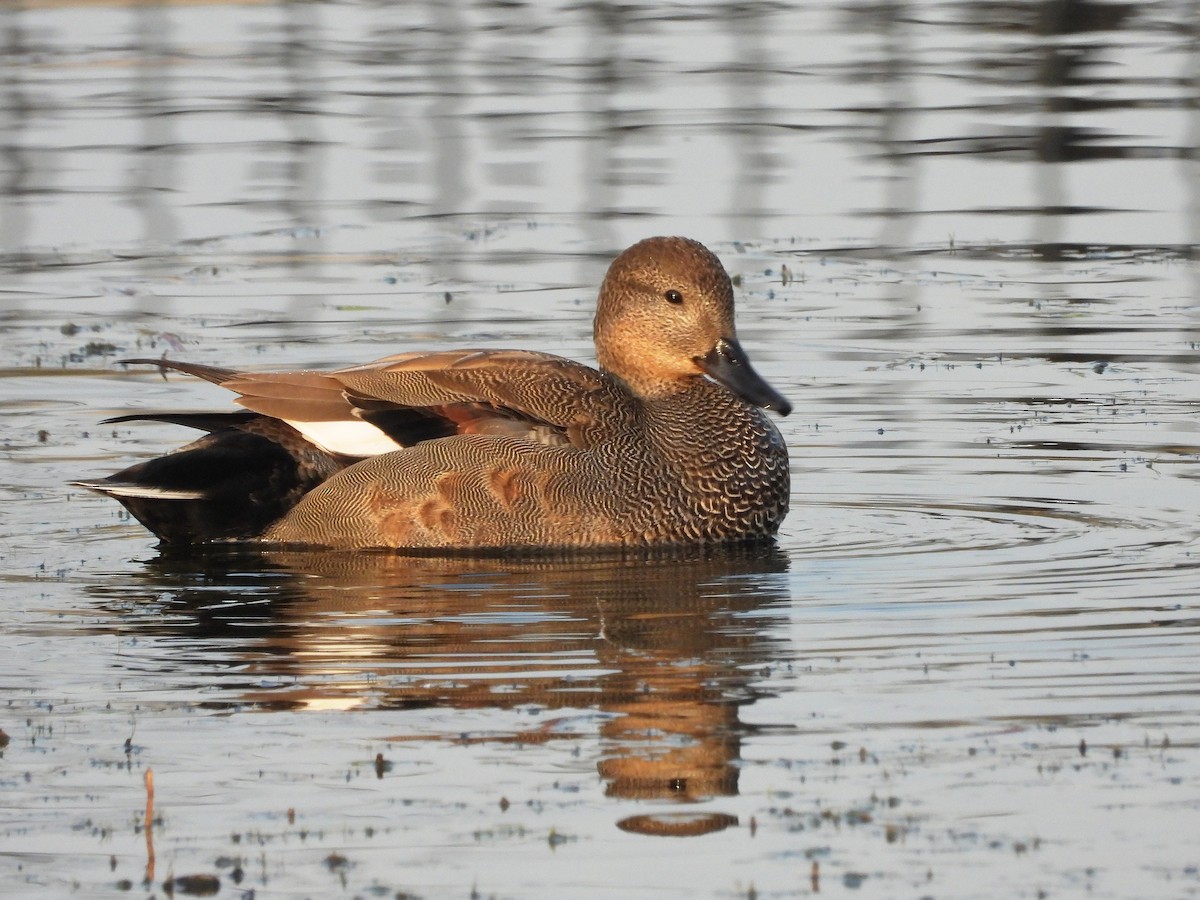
665, 316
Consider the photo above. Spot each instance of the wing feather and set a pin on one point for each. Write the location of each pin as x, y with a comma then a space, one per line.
411, 397
522, 384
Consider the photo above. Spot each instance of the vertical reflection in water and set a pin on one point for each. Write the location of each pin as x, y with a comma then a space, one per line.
1058, 66
601, 131
15, 111
153, 170
1190, 161
299, 109
449, 147
1055, 68
894, 73
895, 82
1062, 65
752, 172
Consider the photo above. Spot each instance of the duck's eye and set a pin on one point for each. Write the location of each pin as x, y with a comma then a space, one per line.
673, 296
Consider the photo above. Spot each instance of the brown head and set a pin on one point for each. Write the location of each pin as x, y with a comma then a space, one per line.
665, 317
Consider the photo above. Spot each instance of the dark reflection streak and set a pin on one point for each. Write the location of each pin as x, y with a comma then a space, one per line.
302, 51
17, 110
1046, 17
1054, 72
153, 169
1071, 17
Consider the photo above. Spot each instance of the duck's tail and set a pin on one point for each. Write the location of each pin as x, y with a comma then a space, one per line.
230, 485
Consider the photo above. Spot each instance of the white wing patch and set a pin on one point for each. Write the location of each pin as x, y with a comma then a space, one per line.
145, 491
356, 438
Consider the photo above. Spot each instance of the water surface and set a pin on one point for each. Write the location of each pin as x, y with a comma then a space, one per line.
964, 239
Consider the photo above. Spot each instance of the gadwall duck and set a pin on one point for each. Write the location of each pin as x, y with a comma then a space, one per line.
466, 450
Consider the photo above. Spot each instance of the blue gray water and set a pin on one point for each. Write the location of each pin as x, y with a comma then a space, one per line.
964, 237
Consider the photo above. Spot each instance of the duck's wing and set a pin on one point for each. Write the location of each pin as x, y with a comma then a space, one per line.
411, 397
516, 392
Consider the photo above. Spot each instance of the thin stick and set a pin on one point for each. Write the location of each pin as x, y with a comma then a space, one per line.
149, 825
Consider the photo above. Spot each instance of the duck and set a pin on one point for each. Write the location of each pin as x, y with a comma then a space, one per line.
666, 442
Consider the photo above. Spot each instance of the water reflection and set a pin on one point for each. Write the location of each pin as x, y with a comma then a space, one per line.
1038, 84
660, 647
240, 118
157, 147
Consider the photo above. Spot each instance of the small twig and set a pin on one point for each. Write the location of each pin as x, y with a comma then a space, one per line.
149, 825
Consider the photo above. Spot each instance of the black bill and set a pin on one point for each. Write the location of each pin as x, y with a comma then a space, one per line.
727, 363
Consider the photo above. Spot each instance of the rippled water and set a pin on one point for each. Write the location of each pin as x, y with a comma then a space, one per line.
964, 236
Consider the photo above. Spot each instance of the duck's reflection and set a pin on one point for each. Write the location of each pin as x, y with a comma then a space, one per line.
668, 648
